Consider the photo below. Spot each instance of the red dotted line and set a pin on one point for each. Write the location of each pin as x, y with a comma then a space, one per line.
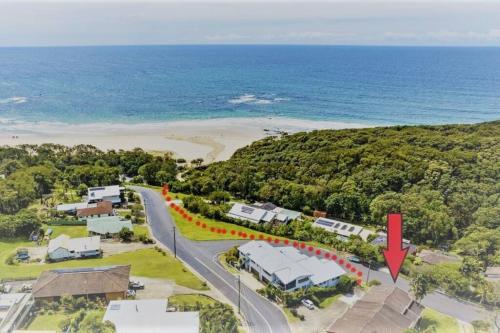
299, 245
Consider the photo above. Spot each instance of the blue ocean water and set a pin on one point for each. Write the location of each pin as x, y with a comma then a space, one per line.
131, 84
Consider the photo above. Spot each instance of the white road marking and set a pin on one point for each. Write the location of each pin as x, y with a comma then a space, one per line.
243, 297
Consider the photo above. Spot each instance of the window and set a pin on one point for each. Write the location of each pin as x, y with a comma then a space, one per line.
303, 280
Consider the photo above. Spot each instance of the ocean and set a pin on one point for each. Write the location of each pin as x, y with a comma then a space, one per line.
134, 84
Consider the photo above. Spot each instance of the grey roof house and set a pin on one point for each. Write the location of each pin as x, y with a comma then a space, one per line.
287, 268
131, 316
64, 247
109, 225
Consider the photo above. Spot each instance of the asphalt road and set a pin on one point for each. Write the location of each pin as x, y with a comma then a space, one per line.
261, 315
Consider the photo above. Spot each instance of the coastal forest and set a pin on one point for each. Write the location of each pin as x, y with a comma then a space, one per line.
445, 179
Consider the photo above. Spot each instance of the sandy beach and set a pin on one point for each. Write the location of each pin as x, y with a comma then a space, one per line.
212, 140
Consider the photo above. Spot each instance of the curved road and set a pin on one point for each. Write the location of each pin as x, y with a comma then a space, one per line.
260, 314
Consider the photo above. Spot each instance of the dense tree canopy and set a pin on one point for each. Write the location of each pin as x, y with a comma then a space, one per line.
443, 178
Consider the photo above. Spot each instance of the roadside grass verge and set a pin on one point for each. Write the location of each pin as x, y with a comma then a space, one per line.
434, 321
190, 300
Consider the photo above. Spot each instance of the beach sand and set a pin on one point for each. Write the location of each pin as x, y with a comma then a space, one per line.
212, 140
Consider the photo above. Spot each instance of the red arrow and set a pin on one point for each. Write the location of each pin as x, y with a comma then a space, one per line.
395, 254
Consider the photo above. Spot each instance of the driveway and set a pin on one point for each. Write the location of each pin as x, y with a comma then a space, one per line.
261, 315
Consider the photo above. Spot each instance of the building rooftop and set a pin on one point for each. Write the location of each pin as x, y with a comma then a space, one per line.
82, 281
108, 225
101, 208
288, 263
98, 193
75, 244
150, 315
74, 206
341, 228
249, 213
382, 309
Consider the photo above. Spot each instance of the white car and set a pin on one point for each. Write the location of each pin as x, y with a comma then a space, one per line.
130, 293
308, 304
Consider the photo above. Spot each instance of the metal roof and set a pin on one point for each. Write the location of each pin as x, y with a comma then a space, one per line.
108, 225
150, 316
288, 263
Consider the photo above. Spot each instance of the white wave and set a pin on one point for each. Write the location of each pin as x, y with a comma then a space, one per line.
14, 100
252, 99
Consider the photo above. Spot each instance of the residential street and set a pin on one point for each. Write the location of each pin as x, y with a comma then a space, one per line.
261, 315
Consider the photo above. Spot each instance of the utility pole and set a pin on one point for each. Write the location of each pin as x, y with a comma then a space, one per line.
239, 294
369, 269
175, 246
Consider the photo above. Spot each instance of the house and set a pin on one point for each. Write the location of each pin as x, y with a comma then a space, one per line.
287, 268
105, 226
101, 209
150, 316
64, 247
72, 208
342, 229
383, 309
492, 273
381, 240
110, 282
252, 214
319, 213
112, 194
435, 257
14, 310
282, 215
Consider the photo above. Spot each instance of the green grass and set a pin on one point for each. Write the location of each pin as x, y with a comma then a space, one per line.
145, 262
329, 301
141, 229
48, 322
51, 322
190, 300
441, 323
192, 231
72, 231
229, 268
289, 316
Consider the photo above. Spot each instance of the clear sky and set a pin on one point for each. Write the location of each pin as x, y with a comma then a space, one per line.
368, 22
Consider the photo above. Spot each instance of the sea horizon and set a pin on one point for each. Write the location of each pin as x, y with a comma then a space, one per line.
154, 84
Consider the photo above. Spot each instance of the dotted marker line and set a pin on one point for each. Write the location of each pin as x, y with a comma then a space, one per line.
299, 245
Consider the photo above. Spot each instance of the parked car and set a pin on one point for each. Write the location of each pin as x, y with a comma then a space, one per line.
130, 293
22, 255
308, 304
5, 288
136, 285
354, 259
26, 287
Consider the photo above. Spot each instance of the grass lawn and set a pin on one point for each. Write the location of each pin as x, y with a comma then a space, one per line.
50, 322
145, 262
190, 300
289, 316
192, 231
441, 322
329, 301
141, 229
74, 231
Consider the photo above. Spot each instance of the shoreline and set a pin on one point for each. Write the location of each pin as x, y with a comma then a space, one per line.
210, 139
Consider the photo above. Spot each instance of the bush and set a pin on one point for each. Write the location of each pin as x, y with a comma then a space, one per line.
374, 282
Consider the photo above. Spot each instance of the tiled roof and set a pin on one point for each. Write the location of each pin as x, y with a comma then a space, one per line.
82, 281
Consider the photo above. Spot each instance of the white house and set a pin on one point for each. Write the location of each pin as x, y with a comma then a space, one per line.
73, 207
251, 214
151, 316
105, 193
342, 229
287, 268
282, 215
64, 247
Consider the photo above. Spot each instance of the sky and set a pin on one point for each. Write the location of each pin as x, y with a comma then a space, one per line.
357, 22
